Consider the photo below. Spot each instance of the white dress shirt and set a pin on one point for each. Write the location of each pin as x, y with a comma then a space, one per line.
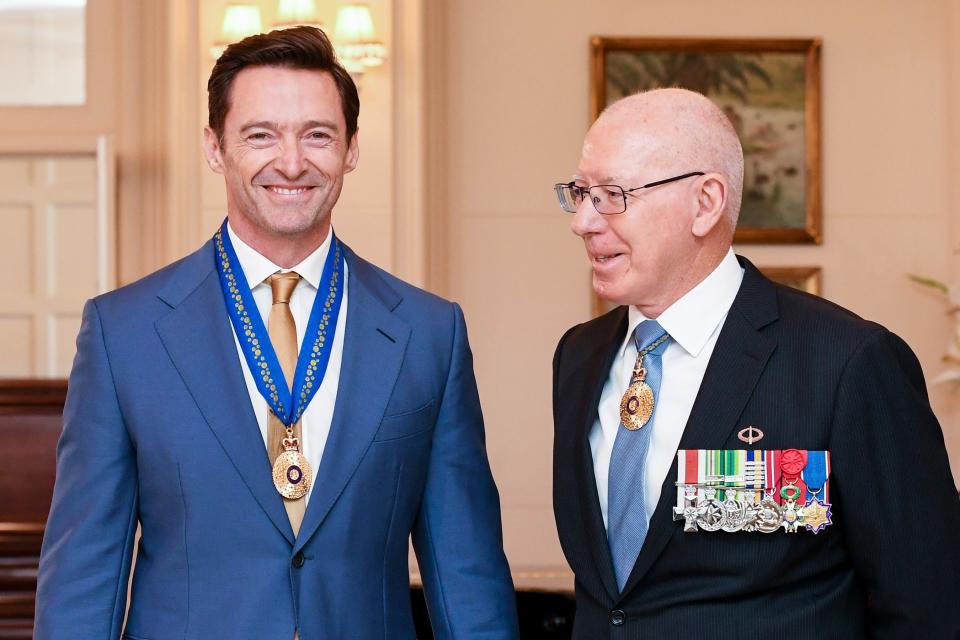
316, 420
693, 322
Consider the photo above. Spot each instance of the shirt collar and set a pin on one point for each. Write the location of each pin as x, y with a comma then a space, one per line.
257, 267
693, 318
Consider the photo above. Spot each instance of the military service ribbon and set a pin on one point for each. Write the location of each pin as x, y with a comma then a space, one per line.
752, 490
816, 512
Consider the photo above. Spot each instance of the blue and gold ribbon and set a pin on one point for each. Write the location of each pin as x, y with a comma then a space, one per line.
255, 341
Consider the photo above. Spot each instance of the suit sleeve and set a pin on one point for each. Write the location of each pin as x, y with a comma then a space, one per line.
457, 535
894, 493
85, 561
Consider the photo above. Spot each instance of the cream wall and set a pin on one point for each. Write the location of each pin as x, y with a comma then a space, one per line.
516, 94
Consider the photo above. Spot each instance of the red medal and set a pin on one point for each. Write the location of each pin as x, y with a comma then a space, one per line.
793, 462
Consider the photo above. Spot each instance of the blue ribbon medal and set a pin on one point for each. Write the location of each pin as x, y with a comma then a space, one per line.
816, 513
287, 402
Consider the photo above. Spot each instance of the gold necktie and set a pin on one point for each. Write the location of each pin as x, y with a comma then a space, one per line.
283, 336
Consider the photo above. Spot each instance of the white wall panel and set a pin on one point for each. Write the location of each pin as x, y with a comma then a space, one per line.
77, 172
16, 220
72, 255
15, 171
57, 253
62, 330
17, 346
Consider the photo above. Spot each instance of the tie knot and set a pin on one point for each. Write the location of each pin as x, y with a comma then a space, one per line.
648, 332
283, 285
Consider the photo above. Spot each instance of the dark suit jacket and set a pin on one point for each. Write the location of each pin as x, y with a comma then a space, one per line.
811, 375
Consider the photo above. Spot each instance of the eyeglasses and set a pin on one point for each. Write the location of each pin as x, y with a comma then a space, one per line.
608, 199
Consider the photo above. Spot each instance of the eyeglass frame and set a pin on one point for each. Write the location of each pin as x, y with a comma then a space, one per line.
585, 191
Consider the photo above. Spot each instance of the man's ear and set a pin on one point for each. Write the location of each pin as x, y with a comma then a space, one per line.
353, 153
711, 204
211, 149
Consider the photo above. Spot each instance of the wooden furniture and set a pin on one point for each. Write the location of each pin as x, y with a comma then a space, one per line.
30, 423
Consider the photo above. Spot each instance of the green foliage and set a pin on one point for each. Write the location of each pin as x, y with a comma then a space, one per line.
758, 79
729, 74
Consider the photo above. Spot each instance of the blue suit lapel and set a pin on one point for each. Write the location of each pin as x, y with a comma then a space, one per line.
373, 350
199, 340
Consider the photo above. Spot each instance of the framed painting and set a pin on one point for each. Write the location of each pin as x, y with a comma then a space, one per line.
770, 90
807, 279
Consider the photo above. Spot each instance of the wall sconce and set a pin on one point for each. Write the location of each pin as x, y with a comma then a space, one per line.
354, 37
356, 41
297, 13
239, 21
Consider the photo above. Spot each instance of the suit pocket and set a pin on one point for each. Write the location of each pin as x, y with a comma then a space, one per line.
406, 423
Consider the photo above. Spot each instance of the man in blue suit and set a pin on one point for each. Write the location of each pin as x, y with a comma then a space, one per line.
276, 414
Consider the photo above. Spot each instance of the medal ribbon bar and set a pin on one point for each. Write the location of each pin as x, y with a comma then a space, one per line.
753, 490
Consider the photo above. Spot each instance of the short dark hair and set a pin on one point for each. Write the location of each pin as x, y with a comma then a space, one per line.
294, 48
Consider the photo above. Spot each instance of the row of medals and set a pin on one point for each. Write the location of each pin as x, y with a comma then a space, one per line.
734, 509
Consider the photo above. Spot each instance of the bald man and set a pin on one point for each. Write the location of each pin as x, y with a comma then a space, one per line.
733, 458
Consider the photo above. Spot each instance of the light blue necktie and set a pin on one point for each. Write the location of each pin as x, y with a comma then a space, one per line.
628, 514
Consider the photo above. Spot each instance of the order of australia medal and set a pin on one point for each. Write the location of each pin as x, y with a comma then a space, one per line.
292, 474
636, 408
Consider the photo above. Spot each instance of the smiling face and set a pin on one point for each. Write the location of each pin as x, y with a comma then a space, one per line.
283, 154
639, 257
673, 235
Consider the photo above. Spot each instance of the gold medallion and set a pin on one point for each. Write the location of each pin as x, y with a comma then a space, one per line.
636, 408
816, 515
292, 474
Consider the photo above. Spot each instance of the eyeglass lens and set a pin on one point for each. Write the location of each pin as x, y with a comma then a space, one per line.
606, 198
569, 198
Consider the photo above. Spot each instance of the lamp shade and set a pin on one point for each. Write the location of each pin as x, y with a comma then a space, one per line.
297, 11
240, 21
355, 24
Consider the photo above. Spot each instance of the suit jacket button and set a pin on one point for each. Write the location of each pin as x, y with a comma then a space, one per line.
617, 618
298, 560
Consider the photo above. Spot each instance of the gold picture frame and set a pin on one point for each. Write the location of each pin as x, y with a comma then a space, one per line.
771, 91
809, 279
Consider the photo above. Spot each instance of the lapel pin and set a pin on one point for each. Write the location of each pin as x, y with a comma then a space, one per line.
750, 435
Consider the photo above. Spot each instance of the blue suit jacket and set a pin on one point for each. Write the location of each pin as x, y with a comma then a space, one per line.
159, 430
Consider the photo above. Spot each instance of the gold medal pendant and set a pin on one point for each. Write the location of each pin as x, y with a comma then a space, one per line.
816, 515
292, 473
636, 408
